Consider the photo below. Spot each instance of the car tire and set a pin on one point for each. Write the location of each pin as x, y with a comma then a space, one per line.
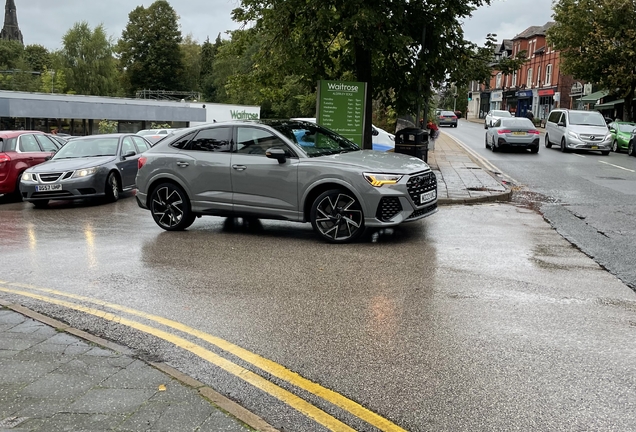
486, 141
564, 148
112, 187
40, 204
493, 146
485, 125
615, 148
170, 207
631, 150
337, 217
548, 144
534, 149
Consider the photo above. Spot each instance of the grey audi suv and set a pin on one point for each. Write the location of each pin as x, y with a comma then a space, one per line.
282, 169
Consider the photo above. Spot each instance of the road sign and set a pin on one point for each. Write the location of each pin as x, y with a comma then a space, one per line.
341, 108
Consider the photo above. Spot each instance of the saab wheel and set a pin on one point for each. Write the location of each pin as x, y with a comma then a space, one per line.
336, 215
112, 188
605, 153
615, 148
170, 207
535, 149
631, 151
548, 144
41, 204
564, 148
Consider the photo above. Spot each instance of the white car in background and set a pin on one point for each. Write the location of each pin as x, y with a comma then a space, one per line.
382, 140
493, 116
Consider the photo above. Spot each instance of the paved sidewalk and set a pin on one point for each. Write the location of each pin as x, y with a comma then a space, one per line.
460, 179
51, 380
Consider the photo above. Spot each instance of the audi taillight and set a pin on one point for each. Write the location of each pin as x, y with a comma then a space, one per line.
141, 162
4, 158
503, 131
533, 132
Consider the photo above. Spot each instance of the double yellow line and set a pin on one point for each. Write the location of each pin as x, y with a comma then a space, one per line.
256, 380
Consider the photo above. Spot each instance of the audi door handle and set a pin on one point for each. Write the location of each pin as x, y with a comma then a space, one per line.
183, 164
239, 167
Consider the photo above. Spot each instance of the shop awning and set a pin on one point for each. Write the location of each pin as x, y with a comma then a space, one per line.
593, 97
609, 104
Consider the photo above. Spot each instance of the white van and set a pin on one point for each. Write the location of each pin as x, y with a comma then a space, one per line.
578, 130
382, 140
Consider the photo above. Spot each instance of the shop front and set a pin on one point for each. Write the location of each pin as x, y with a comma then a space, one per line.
484, 105
524, 103
496, 98
509, 102
546, 103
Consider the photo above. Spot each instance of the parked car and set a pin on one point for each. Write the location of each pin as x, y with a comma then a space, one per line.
86, 167
447, 118
381, 139
20, 150
154, 135
621, 134
513, 132
577, 130
493, 116
259, 169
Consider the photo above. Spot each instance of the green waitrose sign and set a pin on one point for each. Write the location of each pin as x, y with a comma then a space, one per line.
341, 108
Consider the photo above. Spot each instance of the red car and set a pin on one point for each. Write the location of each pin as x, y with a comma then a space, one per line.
20, 150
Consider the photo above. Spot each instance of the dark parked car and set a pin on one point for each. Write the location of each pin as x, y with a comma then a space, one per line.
86, 167
513, 132
20, 150
259, 169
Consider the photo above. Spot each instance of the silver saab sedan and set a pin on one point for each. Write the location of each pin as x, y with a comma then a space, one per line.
86, 167
282, 169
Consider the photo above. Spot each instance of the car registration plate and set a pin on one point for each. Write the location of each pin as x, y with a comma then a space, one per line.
518, 133
47, 188
428, 196
594, 147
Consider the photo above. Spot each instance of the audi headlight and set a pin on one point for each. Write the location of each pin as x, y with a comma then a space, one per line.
573, 135
379, 180
85, 172
27, 177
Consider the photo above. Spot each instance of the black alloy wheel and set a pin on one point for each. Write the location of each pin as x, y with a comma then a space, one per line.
112, 187
564, 148
336, 215
493, 146
170, 207
548, 144
631, 151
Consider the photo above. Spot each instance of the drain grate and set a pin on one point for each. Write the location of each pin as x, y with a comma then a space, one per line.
11, 422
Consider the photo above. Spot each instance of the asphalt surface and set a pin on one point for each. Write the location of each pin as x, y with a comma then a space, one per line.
480, 317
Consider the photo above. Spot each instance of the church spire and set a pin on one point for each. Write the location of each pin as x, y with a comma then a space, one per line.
11, 30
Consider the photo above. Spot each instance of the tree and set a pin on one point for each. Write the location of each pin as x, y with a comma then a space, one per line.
37, 57
53, 81
597, 41
10, 52
191, 53
87, 59
398, 47
208, 53
149, 48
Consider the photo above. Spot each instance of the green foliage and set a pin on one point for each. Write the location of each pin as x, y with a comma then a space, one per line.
108, 126
87, 58
207, 82
10, 53
37, 57
597, 40
160, 126
149, 49
53, 81
191, 53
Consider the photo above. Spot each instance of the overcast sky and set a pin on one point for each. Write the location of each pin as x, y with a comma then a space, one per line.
44, 22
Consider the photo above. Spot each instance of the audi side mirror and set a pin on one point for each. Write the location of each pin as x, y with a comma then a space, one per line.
276, 153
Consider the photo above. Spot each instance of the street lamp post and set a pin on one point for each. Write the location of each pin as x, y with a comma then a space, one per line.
455, 102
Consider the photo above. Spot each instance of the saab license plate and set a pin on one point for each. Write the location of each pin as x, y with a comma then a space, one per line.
428, 196
518, 133
594, 147
47, 188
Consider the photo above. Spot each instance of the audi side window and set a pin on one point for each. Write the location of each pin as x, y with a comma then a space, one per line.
182, 143
212, 140
255, 141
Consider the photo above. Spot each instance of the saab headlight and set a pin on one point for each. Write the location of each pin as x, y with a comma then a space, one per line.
379, 180
28, 177
85, 172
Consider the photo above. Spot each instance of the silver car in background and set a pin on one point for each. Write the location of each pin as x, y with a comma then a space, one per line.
282, 169
493, 116
513, 132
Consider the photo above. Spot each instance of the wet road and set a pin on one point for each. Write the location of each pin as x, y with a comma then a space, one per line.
479, 318
589, 198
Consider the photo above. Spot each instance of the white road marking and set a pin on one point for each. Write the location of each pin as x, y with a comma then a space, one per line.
578, 155
617, 166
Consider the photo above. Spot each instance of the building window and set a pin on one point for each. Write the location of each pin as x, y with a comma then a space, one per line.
539, 76
529, 80
548, 75
498, 81
514, 79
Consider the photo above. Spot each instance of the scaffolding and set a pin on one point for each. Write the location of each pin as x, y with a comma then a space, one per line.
183, 96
